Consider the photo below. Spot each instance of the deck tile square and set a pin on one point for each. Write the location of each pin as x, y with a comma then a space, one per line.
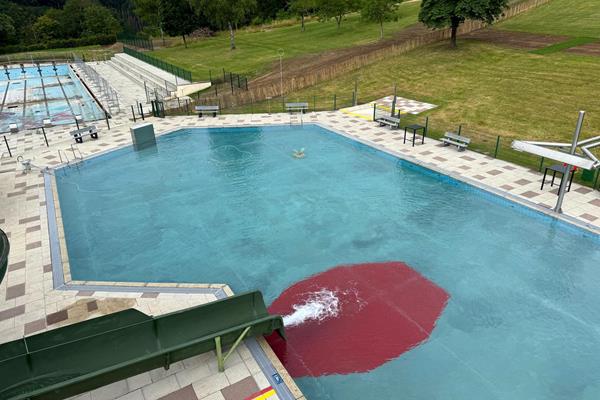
507, 187
92, 306
529, 194
583, 190
12, 312
35, 326
12, 292
595, 202
85, 293
522, 182
240, 390
150, 295
467, 158
495, 172
47, 268
34, 245
33, 228
57, 317
185, 393
16, 266
480, 177
588, 217
29, 219
509, 167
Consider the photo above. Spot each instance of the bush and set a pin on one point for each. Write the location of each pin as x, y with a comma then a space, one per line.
60, 44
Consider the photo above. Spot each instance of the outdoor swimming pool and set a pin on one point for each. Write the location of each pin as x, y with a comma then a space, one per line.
231, 205
26, 99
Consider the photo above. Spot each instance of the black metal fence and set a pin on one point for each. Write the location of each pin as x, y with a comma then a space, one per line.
226, 82
140, 43
165, 66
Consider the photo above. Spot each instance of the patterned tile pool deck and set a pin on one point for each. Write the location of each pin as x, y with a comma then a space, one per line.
33, 298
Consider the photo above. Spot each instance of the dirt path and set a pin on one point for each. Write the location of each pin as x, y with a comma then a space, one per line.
305, 65
517, 40
590, 49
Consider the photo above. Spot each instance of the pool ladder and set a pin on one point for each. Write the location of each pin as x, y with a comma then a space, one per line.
296, 118
64, 158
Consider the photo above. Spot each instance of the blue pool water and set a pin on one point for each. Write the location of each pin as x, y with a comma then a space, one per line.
234, 206
28, 98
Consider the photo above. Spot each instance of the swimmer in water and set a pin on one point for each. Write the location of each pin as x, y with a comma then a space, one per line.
298, 153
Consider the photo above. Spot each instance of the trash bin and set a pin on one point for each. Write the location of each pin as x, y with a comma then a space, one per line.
588, 175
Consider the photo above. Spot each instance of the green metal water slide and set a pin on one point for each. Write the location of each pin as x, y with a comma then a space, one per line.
86, 355
4, 249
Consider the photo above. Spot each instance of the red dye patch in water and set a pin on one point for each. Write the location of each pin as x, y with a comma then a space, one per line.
382, 310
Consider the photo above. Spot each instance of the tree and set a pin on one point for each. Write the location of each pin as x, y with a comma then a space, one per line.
226, 13
380, 11
149, 13
98, 20
452, 13
46, 28
178, 18
336, 9
72, 17
303, 8
7, 29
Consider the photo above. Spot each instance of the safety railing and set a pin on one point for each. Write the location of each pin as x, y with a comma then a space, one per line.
4, 250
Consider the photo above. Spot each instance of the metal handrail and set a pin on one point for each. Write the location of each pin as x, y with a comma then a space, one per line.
4, 250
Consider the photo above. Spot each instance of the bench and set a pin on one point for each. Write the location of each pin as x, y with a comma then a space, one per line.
78, 134
77, 358
451, 138
201, 110
296, 107
392, 122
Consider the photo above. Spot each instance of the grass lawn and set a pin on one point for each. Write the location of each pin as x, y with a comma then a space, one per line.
580, 18
489, 89
257, 50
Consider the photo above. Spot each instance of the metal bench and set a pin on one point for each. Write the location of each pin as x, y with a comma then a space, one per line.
296, 107
78, 134
390, 121
201, 110
451, 138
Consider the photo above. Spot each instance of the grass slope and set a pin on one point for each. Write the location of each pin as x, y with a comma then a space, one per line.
257, 50
491, 89
579, 18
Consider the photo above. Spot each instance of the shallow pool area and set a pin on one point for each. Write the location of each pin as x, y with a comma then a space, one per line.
30, 95
233, 205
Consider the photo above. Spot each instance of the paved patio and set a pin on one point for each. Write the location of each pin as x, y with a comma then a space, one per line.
31, 302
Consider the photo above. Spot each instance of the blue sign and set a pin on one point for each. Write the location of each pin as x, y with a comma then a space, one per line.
277, 378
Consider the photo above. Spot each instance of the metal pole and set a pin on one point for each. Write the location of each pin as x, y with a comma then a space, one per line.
565, 179
394, 102
133, 113
280, 51
7, 146
45, 138
497, 144
107, 123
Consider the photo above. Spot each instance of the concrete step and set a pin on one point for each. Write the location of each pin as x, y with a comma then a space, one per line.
141, 75
152, 70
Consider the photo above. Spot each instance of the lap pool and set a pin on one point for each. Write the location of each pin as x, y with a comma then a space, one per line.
29, 95
232, 205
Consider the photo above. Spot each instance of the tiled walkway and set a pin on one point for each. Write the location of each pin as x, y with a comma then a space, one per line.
29, 302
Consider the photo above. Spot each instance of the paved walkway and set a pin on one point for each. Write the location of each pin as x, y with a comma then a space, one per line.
30, 302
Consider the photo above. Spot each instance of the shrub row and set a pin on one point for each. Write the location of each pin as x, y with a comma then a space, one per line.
60, 43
